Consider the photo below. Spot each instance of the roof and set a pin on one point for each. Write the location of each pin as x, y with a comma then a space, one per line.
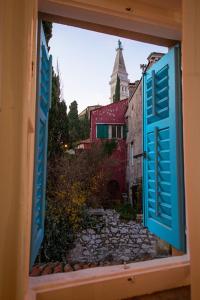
153, 54
157, 54
87, 141
88, 107
109, 104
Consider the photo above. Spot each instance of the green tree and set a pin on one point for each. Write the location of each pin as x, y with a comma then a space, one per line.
85, 127
47, 31
116, 96
74, 124
58, 121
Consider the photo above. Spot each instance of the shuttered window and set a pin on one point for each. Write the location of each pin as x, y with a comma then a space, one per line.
163, 165
42, 111
102, 131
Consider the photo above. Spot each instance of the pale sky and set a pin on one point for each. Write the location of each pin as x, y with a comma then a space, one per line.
86, 60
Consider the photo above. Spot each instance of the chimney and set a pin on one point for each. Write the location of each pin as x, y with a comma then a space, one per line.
132, 87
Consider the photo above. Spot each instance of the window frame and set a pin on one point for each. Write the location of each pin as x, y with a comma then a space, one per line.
115, 282
175, 270
131, 154
115, 126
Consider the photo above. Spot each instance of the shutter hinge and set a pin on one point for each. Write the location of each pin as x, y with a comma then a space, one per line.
143, 154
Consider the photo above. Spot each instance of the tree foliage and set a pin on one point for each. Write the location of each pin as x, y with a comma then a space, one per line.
74, 183
74, 124
116, 96
58, 121
84, 127
47, 31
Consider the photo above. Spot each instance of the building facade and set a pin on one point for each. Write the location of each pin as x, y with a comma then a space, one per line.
108, 123
86, 112
134, 140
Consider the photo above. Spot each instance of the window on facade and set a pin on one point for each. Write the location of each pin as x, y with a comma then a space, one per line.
117, 132
131, 153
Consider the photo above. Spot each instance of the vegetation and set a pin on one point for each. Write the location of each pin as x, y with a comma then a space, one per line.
74, 183
58, 121
116, 96
84, 127
74, 125
126, 211
79, 129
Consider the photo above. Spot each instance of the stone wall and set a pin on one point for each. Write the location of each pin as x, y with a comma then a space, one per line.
134, 138
110, 241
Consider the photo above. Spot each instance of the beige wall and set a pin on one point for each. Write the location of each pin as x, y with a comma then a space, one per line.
134, 135
17, 104
191, 127
17, 86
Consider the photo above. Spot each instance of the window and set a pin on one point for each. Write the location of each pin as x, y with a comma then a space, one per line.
117, 132
102, 131
131, 153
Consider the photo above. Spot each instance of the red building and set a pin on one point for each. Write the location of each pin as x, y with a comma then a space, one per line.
107, 123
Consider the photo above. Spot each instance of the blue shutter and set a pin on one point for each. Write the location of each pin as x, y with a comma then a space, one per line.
162, 142
102, 131
41, 137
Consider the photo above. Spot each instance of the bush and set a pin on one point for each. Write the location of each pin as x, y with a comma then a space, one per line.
126, 211
73, 183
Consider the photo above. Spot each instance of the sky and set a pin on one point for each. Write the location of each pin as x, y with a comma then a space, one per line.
85, 60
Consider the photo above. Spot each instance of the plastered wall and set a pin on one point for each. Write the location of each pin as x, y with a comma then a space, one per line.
17, 114
17, 104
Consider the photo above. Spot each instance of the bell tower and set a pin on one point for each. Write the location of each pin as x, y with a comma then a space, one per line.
119, 72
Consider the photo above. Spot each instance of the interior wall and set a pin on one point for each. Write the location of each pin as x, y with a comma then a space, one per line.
17, 112
150, 22
191, 128
17, 118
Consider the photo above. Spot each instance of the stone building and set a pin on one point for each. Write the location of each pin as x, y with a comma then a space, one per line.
87, 111
134, 138
134, 141
119, 71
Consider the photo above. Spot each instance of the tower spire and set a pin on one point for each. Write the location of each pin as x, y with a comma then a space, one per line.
120, 45
119, 72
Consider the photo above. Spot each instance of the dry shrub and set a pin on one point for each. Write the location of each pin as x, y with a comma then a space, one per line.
73, 183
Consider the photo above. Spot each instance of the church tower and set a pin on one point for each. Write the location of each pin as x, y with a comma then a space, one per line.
119, 71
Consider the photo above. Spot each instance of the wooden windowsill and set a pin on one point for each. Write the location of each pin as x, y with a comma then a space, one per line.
113, 282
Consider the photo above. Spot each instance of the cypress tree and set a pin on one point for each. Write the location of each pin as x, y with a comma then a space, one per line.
58, 121
116, 96
74, 124
84, 127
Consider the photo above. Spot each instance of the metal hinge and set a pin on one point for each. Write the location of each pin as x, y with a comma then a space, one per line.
143, 154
